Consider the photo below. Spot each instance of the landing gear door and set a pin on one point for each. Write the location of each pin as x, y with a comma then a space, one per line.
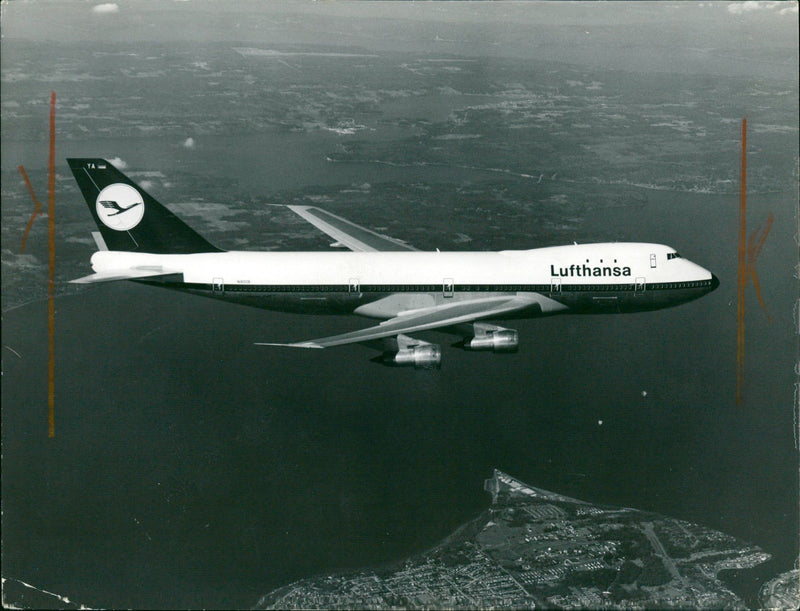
447, 287
353, 286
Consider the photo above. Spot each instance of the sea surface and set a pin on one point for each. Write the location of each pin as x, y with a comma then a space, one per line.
191, 468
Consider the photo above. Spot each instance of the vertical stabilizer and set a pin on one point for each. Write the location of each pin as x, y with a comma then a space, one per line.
130, 219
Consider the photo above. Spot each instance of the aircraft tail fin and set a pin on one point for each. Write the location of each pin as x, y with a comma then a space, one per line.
130, 219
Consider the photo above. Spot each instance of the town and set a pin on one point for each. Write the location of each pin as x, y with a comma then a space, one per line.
535, 548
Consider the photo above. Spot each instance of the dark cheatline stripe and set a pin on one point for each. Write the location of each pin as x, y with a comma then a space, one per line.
461, 288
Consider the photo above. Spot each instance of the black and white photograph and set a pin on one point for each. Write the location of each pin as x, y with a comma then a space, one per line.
400, 305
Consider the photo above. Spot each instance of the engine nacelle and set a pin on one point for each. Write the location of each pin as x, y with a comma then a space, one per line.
503, 340
425, 356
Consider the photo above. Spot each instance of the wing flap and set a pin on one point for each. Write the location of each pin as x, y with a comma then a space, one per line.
348, 234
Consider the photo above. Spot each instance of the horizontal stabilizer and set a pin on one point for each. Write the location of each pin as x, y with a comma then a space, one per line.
123, 274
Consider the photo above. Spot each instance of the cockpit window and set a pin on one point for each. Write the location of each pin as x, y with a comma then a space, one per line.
673, 255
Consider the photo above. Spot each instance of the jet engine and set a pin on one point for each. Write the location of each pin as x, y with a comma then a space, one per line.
491, 337
405, 351
428, 356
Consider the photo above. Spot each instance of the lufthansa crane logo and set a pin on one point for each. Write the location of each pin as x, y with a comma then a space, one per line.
120, 207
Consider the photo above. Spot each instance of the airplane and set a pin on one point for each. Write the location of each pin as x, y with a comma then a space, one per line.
380, 277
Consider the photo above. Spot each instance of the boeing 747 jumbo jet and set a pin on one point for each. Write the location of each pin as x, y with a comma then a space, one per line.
382, 278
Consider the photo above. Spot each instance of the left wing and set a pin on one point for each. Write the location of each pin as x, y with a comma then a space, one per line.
435, 317
346, 233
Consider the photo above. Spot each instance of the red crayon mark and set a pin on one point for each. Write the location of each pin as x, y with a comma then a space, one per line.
754, 245
36, 210
51, 238
749, 250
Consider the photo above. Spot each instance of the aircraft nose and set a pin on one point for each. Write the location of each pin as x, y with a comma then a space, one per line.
714, 282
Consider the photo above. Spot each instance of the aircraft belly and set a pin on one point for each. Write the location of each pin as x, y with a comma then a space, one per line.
625, 301
302, 303
296, 302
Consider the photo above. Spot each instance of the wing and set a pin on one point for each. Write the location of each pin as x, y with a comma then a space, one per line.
434, 317
346, 233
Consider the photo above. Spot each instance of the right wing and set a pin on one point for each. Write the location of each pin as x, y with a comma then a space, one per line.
445, 315
346, 233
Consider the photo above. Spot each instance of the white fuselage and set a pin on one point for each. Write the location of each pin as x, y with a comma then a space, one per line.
584, 278
583, 264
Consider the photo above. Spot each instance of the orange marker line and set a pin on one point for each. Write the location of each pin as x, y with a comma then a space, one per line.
757, 239
754, 246
51, 306
36, 210
742, 278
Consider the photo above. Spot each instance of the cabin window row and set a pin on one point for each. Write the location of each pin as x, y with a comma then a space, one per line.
680, 285
433, 288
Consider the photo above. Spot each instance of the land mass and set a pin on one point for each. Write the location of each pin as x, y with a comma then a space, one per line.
535, 548
781, 592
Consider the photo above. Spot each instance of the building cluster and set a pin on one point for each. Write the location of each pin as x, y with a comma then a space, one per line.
542, 549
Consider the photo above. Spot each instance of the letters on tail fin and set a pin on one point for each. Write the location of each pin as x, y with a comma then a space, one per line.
129, 219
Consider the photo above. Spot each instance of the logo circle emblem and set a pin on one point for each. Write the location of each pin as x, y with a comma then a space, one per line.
120, 207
